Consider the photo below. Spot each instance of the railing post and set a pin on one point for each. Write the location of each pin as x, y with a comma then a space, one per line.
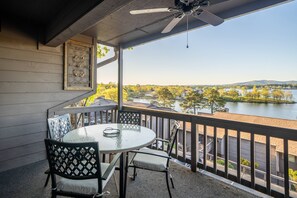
215, 150
286, 168
226, 152
238, 157
120, 79
268, 179
193, 147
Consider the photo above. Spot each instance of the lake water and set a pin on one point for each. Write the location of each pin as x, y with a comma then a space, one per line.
285, 111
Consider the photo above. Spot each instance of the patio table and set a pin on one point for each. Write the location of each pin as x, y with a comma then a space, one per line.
129, 137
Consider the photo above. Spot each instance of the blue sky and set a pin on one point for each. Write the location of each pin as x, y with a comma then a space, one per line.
257, 46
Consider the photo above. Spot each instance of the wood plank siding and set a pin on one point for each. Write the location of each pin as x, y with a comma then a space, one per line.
31, 82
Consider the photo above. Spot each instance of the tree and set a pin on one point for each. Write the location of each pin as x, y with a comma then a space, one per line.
213, 99
233, 93
293, 177
265, 93
102, 50
255, 93
277, 94
112, 94
288, 95
193, 101
165, 97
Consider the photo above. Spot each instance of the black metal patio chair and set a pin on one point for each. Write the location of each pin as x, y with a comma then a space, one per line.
76, 170
156, 160
58, 127
129, 117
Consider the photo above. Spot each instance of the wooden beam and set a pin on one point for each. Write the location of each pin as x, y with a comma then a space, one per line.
77, 16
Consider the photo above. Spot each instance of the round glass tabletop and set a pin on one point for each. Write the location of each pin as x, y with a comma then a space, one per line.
118, 137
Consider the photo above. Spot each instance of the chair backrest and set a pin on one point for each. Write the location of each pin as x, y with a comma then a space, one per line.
59, 126
128, 117
173, 136
74, 160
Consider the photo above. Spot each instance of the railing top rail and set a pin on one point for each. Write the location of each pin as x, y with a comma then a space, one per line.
273, 131
73, 110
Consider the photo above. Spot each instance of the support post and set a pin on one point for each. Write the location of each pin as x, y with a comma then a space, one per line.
120, 79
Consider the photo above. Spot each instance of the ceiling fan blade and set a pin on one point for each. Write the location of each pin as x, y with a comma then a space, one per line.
208, 17
148, 11
173, 23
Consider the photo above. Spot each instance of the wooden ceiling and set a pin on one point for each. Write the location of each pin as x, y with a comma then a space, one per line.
110, 21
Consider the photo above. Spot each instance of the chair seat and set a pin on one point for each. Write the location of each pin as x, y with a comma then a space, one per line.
86, 186
151, 162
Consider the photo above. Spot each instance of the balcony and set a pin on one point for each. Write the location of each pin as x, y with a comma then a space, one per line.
28, 181
203, 142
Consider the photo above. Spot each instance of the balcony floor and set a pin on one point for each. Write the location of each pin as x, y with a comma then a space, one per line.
28, 181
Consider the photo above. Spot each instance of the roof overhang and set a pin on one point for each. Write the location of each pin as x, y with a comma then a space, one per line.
110, 20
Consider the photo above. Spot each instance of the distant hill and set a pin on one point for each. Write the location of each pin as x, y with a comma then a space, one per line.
264, 82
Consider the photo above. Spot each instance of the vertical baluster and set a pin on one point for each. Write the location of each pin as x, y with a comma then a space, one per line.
89, 118
204, 147
145, 117
162, 133
96, 117
151, 122
101, 117
215, 150
238, 157
111, 116
106, 116
252, 149
168, 129
268, 185
157, 130
286, 168
75, 123
82, 119
193, 147
226, 152
184, 141
176, 144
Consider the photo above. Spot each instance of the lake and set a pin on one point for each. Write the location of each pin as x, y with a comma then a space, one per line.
284, 111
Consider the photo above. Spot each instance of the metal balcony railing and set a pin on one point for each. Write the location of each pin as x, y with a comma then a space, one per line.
197, 144
202, 127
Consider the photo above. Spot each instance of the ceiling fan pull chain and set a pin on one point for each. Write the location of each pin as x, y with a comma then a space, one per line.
187, 31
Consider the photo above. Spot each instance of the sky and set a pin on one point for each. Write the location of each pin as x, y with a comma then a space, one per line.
257, 46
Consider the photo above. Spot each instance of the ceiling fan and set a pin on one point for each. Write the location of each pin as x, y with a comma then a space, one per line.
195, 8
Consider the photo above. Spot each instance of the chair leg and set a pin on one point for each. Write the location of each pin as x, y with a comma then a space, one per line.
116, 183
167, 182
134, 173
171, 179
47, 179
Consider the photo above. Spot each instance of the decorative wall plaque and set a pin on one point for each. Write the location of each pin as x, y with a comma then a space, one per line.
78, 66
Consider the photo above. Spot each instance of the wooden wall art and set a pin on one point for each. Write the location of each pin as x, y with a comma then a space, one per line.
78, 66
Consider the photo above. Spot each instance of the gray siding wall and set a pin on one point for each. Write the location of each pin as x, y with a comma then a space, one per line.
31, 81
260, 153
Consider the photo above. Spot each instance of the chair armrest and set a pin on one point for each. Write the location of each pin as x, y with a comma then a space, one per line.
161, 140
111, 166
140, 152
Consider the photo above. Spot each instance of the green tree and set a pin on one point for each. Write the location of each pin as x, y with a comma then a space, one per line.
293, 177
265, 93
233, 93
102, 50
277, 94
255, 93
165, 97
213, 100
193, 101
